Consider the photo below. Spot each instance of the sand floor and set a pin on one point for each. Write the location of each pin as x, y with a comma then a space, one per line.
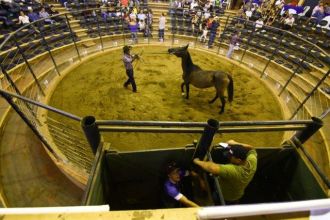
96, 88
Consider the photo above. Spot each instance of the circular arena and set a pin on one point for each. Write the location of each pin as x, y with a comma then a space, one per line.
58, 70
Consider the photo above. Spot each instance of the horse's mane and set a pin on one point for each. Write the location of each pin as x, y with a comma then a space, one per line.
190, 65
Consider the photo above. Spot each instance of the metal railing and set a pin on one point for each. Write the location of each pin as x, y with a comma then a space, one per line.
34, 56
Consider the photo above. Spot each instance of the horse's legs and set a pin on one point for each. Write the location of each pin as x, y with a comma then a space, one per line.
215, 98
223, 103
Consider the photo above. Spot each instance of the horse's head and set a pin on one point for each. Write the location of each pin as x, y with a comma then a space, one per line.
179, 51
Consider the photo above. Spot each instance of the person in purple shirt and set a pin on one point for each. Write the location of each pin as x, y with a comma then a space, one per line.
33, 16
173, 197
233, 41
128, 60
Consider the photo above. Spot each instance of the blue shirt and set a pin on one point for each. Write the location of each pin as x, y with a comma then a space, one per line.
173, 189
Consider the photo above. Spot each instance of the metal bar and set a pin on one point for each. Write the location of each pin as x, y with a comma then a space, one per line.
206, 139
200, 124
99, 31
272, 56
310, 94
314, 164
324, 114
49, 50
295, 71
69, 115
91, 131
197, 130
72, 36
9, 79
28, 65
217, 184
10, 101
248, 42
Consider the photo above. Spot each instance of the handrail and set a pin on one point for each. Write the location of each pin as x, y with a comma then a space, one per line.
61, 112
200, 124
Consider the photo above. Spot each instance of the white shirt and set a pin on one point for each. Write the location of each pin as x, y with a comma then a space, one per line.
259, 23
162, 21
289, 21
23, 19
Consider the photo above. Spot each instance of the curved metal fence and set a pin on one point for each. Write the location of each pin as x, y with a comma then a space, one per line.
33, 58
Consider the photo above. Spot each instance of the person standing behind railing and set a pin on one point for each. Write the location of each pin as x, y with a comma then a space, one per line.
213, 31
133, 27
237, 174
162, 22
233, 41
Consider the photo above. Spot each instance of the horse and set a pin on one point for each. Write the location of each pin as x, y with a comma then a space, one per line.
193, 74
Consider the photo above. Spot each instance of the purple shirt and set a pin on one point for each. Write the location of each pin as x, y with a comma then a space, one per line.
234, 39
173, 189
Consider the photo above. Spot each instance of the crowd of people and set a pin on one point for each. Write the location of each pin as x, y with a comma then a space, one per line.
25, 12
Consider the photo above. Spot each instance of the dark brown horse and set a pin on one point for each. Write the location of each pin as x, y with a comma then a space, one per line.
193, 74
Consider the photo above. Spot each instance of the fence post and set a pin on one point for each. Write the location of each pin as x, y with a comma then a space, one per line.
72, 35
310, 94
295, 71
99, 30
10, 101
206, 139
272, 56
28, 65
48, 49
91, 131
310, 129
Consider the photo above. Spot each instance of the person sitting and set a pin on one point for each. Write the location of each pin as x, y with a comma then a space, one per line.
237, 174
288, 22
318, 12
33, 16
45, 15
259, 24
172, 196
23, 19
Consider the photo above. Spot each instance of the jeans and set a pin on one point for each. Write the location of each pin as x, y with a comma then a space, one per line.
161, 33
230, 50
130, 80
211, 39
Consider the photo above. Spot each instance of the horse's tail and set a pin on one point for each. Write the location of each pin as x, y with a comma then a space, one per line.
230, 88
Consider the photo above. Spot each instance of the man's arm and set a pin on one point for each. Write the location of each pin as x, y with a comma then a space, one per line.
232, 142
184, 200
208, 166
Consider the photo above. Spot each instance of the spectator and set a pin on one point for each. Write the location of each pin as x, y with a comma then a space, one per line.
213, 31
23, 18
288, 22
233, 41
133, 27
162, 22
45, 15
173, 196
235, 176
33, 16
204, 34
142, 25
259, 24
318, 12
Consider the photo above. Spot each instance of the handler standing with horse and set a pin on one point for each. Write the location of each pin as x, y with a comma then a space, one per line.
128, 60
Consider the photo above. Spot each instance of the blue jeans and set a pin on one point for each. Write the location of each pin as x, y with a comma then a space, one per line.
130, 80
211, 39
161, 33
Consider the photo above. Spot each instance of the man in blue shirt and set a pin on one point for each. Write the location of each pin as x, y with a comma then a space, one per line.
173, 197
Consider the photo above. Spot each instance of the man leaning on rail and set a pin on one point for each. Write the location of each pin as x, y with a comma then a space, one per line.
237, 174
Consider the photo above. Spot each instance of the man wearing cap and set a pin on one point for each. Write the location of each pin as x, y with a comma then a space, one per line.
128, 60
173, 198
237, 174
213, 30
